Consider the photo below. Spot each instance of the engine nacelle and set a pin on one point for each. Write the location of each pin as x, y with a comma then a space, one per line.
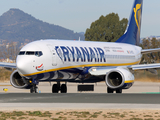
119, 78
18, 82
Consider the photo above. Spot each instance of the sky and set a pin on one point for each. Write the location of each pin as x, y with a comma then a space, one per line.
77, 15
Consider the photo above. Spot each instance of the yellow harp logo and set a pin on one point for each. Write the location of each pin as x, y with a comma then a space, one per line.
137, 15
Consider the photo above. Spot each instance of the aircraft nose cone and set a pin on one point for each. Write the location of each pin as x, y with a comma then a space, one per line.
22, 65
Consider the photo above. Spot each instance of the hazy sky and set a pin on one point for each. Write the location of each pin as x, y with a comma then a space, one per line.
77, 15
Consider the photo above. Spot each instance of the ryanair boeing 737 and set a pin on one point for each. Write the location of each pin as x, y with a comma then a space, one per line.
82, 61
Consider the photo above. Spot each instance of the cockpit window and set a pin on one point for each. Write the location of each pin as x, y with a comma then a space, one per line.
30, 53
40, 53
21, 53
36, 53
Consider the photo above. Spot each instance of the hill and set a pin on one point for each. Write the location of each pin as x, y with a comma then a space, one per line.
15, 25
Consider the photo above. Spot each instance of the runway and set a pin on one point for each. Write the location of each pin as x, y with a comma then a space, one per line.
80, 98
140, 96
46, 87
87, 101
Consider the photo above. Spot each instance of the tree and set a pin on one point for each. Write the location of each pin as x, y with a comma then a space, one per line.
155, 44
149, 44
146, 58
108, 28
9, 51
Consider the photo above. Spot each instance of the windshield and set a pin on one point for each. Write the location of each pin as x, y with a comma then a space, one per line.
36, 53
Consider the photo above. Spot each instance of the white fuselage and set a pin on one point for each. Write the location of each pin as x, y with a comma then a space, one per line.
45, 56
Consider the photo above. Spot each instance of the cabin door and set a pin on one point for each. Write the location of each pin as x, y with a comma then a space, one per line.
53, 54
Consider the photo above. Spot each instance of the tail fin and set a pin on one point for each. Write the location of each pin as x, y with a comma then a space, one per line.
132, 33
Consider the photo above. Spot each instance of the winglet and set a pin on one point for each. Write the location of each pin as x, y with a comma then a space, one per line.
132, 33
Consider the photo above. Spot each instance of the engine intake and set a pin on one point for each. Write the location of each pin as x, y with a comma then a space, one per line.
18, 82
115, 79
119, 78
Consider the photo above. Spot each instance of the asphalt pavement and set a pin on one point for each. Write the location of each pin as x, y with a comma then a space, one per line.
142, 95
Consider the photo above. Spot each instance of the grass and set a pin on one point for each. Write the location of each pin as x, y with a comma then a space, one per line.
94, 116
146, 76
147, 115
104, 115
5, 74
78, 115
149, 119
135, 119
115, 114
59, 113
83, 114
39, 113
122, 115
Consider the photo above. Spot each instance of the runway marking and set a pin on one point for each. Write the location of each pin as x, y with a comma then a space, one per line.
26, 98
12, 99
151, 92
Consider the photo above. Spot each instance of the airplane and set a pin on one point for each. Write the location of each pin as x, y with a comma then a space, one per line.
82, 61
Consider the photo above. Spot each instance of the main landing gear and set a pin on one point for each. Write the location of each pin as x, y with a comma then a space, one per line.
58, 87
109, 90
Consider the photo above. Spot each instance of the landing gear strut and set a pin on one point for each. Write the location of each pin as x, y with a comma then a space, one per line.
109, 90
34, 89
58, 87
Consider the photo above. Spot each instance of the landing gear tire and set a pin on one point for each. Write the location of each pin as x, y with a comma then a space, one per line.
34, 89
63, 88
55, 88
119, 91
109, 90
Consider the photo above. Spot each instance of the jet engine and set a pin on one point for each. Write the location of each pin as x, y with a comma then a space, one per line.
18, 82
119, 78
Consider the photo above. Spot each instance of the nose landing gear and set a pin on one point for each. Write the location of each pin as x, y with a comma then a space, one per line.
34, 88
55, 88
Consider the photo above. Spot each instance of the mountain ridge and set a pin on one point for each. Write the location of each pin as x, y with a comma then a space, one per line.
16, 25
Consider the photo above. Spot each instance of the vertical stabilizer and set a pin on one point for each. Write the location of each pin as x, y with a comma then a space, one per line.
132, 33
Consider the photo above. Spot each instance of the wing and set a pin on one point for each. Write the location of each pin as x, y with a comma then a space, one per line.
8, 65
98, 71
144, 66
145, 51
